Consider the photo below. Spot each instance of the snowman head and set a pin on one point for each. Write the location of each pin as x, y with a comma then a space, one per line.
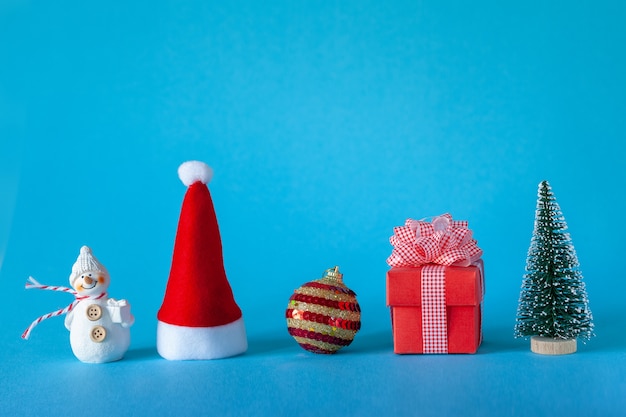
89, 276
91, 283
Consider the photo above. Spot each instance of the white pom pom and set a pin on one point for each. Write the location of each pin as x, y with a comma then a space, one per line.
194, 171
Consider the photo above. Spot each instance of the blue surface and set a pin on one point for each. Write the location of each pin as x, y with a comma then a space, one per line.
327, 123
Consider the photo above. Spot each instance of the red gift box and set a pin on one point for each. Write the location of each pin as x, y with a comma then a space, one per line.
464, 289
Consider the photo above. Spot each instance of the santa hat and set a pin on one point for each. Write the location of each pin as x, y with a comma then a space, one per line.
199, 318
86, 262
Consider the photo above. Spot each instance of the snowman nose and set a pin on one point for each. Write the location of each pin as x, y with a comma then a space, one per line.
88, 280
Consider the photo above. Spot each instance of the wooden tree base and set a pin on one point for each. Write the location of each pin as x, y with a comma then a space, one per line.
550, 346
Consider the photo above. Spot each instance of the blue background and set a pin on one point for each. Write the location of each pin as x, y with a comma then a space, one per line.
327, 124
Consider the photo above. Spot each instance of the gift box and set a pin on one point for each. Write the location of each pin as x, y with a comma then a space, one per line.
435, 287
464, 289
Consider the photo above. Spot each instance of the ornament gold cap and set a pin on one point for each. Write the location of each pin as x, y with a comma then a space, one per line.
333, 274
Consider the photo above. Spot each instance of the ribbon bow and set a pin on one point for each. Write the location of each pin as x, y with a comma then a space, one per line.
443, 241
34, 284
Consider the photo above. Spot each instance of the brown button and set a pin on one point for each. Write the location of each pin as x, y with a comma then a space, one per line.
94, 312
98, 334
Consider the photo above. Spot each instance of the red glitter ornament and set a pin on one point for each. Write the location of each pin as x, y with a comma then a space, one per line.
323, 315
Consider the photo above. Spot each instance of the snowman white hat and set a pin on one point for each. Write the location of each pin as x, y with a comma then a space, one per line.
86, 262
199, 318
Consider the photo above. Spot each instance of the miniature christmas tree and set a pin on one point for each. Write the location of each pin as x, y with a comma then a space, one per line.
553, 305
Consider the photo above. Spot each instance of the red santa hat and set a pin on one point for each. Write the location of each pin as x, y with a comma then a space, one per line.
199, 318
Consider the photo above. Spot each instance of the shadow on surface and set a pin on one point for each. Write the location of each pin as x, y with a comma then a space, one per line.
142, 354
372, 343
363, 343
610, 337
501, 340
264, 345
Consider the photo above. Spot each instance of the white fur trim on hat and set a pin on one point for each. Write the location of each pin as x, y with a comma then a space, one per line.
86, 262
194, 171
195, 343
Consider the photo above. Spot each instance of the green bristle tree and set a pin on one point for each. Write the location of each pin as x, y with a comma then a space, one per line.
553, 300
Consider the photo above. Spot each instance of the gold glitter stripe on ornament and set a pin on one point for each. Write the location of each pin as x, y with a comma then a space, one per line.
318, 343
321, 328
327, 311
328, 294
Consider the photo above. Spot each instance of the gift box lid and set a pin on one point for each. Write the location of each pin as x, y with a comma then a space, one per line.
464, 285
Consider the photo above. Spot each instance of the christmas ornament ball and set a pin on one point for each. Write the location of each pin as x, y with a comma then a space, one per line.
323, 315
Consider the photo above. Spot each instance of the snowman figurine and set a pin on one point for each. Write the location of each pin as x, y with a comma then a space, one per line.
99, 326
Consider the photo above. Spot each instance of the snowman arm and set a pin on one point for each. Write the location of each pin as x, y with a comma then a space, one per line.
68, 320
128, 319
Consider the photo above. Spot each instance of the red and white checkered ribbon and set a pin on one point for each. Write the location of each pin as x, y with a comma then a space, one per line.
34, 284
443, 241
434, 319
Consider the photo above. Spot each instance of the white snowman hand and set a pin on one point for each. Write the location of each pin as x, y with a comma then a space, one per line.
127, 318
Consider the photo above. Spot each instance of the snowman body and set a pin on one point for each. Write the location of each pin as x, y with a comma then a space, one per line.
98, 325
99, 329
